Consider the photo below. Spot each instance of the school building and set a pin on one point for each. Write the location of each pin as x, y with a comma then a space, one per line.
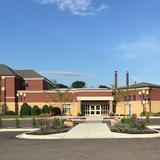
28, 86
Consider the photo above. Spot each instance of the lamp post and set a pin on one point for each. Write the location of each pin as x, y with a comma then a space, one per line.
144, 94
21, 96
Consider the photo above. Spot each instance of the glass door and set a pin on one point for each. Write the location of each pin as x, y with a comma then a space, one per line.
92, 110
98, 109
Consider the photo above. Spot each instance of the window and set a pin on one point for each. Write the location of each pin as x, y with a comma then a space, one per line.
66, 108
134, 97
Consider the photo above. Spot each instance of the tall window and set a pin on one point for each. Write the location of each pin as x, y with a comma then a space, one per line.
134, 97
66, 108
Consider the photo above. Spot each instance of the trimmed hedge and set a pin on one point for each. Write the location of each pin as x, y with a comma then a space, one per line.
25, 109
45, 109
10, 113
35, 110
55, 111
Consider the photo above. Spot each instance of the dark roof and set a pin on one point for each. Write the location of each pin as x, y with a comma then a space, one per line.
144, 84
6, 71
28, 74
140, 85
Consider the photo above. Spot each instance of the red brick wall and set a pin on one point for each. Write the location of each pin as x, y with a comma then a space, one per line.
49, 97
34, 85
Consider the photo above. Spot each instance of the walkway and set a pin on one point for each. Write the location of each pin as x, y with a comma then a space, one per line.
92, 128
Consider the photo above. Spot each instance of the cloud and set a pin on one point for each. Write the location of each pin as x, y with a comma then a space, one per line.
140, 48
65, 74
76, 7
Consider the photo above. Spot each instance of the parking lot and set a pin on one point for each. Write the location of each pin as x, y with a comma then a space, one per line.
93, 149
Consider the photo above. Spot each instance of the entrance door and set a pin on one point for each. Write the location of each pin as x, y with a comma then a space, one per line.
95, 110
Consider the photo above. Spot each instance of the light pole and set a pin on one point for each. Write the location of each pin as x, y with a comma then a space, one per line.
144, 94
21, 96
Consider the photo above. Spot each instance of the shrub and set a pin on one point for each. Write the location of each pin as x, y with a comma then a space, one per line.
17, 123
58, 124
141, 125
146, 114
45, 109
55, 111
156, 114
36, 110
34, 124
1, 125
25, 109
125, 120
147, 120
10, 113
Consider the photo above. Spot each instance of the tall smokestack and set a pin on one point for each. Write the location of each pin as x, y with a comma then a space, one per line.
127, 79
115, 79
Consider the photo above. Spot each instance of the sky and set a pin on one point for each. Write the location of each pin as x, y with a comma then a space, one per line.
87, 40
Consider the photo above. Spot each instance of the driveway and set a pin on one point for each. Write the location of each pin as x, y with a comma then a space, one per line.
90, 149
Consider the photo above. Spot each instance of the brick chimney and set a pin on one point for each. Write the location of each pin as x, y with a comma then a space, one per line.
115, 80
127, 79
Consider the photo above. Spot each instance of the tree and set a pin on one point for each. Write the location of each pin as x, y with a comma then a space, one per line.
59, 85
25, 109
103, 86
36, 110
78, 84
45, 109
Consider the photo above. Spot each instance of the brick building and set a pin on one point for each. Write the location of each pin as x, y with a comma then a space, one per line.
19, 86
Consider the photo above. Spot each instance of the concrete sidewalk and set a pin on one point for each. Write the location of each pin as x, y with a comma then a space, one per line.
89, 130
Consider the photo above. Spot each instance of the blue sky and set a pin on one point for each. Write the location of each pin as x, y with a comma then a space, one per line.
86, 40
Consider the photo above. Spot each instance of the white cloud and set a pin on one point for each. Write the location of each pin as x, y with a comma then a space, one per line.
76, 7
140, 48
65, 74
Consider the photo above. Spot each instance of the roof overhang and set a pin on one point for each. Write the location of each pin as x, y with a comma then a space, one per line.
95, 98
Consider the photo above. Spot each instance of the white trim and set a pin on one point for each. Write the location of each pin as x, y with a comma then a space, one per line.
3, 77
64, 90
11, 97
95, 98
33, 78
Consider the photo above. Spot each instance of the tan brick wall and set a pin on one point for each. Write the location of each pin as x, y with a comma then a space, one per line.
136, 108
155, 106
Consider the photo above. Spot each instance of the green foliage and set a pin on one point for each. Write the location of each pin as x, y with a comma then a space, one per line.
55, 111
1, 125
131, 125
25, 109
17, 123
59, 85
78, 84
125, 120
45, 109
44, 124
147, 119
10, 113
141, 125
156, 114
34, 124
58, 124
36, 110
103, 86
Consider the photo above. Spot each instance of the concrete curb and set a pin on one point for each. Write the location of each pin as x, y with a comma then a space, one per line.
18, 129
112, 136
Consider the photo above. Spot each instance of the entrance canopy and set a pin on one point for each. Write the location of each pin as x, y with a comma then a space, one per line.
95, 98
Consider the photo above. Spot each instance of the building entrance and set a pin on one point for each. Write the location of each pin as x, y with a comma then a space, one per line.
94, 110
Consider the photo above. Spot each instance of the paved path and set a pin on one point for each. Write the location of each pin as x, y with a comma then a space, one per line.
92, 128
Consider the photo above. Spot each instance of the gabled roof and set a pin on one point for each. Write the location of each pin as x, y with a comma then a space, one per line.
28, 74
6, 71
